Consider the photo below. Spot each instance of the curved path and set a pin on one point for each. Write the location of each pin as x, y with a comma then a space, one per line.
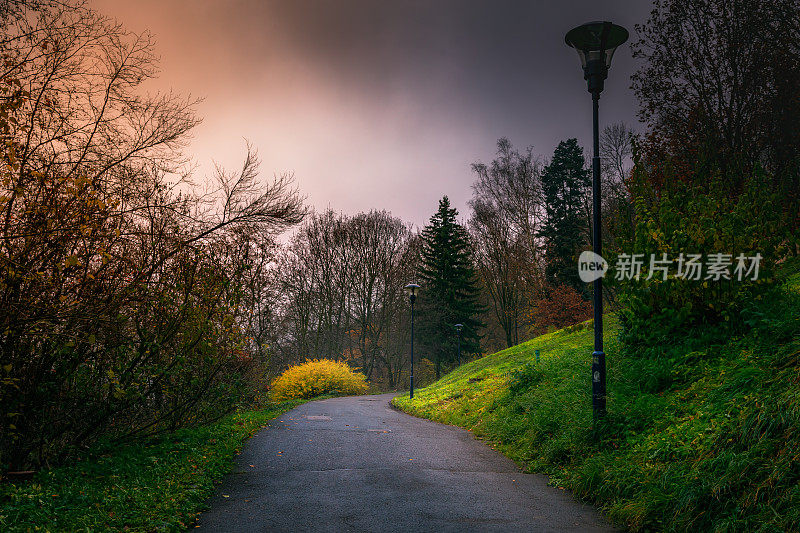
356, 464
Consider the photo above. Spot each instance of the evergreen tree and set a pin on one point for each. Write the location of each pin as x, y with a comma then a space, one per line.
565, 184
450, 291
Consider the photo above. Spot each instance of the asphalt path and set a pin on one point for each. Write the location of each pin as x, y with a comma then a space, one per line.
357, 464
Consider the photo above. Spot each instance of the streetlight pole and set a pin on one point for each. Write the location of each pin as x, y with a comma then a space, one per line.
595, 43
411, 289
598, 356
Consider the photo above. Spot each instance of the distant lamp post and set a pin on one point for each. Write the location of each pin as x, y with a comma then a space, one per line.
595, 43
411, 290
459, 327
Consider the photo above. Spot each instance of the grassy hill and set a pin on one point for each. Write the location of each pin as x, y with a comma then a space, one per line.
705, 438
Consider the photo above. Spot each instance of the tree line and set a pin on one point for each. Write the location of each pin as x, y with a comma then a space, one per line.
336, 290
505, 274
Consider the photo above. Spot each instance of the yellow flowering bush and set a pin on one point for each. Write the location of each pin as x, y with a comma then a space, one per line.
317, 377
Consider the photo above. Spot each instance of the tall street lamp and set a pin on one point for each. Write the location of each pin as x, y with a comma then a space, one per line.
411, 290
458, 330
595, 43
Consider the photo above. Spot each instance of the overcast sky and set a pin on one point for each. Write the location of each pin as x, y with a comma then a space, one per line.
381, 104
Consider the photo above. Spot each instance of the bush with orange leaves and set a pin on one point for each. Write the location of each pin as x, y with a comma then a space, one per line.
562, 306
318, 377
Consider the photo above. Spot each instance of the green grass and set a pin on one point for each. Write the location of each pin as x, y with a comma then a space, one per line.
158, 485
704, 437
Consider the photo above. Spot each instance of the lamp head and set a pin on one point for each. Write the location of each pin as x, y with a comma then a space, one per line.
411, 290
458, 327
595, 43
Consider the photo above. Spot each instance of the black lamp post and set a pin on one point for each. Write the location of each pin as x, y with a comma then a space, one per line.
458, 330
411, 289
595, 43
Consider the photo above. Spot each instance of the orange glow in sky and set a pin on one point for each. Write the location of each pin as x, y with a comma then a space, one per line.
377, 104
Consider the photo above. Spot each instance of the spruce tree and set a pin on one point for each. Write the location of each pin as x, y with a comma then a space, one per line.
565, 184
449, 292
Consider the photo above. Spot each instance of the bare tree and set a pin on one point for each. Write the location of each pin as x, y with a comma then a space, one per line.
498, 254
341, 281
380, 244
507, 211
616, 157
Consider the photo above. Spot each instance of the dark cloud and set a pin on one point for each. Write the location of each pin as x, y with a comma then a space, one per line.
383, 104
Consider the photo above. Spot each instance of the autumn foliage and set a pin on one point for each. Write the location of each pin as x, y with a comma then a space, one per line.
561, 306
124, 290
318, 377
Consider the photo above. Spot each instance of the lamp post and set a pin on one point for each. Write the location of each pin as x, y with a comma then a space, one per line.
458, 330
595, 43
411, 289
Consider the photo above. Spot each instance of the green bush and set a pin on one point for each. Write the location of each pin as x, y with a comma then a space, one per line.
695, 216
318, 377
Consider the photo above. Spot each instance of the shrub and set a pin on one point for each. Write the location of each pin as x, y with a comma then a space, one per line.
318, 377
562, 306
704, 219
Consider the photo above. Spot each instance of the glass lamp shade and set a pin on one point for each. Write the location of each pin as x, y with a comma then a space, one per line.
596, 41
411, 289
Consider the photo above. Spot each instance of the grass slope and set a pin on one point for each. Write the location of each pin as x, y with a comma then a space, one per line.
705, 438
159, 485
